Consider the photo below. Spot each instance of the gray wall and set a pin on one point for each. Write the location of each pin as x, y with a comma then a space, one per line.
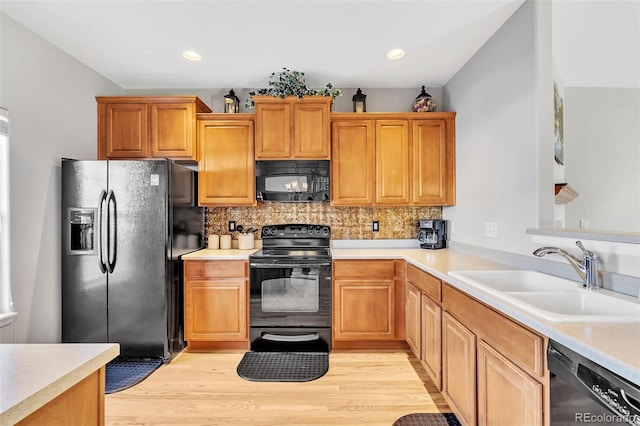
602, 157
50, 97
503, 99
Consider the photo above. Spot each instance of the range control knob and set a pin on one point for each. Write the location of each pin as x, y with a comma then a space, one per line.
325, 230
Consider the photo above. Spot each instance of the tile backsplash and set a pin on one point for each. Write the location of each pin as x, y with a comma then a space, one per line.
347, 223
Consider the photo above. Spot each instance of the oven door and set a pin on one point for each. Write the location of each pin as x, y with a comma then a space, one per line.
290, 295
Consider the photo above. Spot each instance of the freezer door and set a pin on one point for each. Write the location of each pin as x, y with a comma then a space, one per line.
138, 256
84, 285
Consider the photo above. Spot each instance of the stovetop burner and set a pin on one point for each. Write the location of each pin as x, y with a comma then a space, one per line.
294, 242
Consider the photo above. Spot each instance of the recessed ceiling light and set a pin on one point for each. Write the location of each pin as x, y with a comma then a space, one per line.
191, 55
395, 54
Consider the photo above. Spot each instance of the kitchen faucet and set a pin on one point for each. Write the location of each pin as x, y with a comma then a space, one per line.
587, 268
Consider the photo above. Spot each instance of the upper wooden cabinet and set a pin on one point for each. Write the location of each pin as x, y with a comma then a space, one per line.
292, 128
226, 174
132, 127
352, 162
393, 159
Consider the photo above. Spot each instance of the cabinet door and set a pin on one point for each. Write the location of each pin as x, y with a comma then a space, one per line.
506, 394
123, 130
459, 369
215, 309
432, 174
173, 130
273, 130
352, 163
432, 339
413, 301
364, 309
311, 139
392, 162
227, 168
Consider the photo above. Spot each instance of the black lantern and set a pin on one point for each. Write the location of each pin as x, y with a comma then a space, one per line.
423, 102
359, 102
231, 103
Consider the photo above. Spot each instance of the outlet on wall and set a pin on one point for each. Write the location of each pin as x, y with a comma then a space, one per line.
375, 226
491, 229
232, 226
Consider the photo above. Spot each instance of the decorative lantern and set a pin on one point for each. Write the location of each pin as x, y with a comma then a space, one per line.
424, 103
231, 103
359, 102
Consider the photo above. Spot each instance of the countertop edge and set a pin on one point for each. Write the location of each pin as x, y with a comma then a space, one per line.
547, 328
50, 391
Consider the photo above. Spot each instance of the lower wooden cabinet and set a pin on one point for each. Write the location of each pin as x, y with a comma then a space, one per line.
506, 394
413, 319
492, 367
459, 369
368, 301
432, 339
215, 302
423, 321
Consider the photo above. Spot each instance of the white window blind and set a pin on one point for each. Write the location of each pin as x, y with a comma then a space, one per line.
7, 311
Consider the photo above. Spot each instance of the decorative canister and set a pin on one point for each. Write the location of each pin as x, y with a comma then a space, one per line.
225, 242
245, 241
424, 103
214, 242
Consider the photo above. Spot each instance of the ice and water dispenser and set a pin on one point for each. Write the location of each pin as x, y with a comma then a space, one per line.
82, 231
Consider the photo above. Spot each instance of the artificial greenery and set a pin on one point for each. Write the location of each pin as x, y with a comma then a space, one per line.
290, 83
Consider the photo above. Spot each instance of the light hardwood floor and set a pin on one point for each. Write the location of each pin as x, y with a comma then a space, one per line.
360, 388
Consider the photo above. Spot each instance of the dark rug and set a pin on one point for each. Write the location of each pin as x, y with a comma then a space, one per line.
122, 373
283, 366
428, 419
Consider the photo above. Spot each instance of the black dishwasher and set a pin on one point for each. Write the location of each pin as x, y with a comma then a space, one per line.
583, 392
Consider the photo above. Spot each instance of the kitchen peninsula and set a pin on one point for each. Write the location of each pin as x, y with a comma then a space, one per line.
64, 382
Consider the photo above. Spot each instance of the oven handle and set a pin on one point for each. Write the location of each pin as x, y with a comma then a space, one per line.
288, 265
297, 338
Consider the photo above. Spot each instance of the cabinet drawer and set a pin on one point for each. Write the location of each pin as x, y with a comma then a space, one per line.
517, 343
215, 268
430, 285
364, 268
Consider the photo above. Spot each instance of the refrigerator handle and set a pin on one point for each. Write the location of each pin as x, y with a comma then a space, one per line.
112, 215
101, 202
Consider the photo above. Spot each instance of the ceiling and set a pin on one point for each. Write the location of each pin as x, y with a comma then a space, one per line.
138, 44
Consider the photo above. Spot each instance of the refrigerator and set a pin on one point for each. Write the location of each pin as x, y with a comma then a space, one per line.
125, 225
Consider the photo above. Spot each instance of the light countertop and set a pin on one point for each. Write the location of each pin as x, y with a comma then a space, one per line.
207, 254
31, 375
616, 346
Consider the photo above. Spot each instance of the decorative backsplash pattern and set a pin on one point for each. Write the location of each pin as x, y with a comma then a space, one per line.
347, 223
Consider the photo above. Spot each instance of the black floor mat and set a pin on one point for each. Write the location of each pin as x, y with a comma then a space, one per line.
428, 419
283, 366
122, 373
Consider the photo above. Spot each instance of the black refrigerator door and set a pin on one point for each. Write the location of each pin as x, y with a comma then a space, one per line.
84, 284
137, 255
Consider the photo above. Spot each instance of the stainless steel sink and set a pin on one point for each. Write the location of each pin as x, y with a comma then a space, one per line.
553, 298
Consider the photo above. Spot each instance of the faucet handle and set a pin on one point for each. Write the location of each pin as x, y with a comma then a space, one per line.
586, 252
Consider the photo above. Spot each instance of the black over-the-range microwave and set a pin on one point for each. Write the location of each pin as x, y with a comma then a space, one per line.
292, 181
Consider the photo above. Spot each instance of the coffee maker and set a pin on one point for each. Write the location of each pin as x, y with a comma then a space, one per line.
432, 233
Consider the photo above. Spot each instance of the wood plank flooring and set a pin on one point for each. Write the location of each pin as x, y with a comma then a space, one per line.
360, 388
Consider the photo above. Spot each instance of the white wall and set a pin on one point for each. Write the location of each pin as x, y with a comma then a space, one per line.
602, 157
504, 134
50, 97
